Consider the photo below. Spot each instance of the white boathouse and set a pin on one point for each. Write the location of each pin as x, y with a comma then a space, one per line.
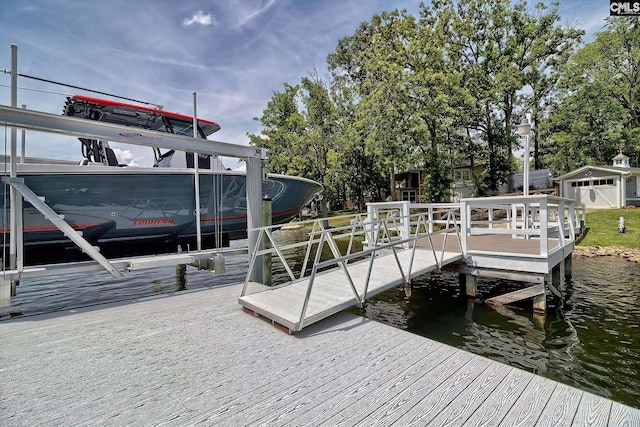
614, 186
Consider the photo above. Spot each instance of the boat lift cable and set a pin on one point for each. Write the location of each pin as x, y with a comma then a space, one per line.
27, 76
50, 92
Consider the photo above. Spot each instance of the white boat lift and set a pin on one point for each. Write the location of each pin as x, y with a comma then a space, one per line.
20, 118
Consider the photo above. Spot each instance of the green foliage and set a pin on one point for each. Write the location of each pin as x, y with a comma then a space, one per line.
501, 48
446, 89
599, 114
603, 228
438, 180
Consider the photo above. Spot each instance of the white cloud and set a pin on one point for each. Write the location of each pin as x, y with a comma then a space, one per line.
199, 18
126, 157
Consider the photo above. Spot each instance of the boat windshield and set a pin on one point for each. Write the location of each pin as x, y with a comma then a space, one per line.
182, 127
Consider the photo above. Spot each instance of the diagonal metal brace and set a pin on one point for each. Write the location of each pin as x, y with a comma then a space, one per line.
67, 230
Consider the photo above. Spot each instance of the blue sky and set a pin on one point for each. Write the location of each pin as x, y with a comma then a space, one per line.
234, 54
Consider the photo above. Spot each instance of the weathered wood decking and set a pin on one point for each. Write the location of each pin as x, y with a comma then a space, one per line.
331, 291
196, 358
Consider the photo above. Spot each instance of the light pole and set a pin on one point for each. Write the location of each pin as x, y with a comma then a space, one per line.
524, 129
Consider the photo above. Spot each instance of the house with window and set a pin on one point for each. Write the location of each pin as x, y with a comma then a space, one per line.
462, 185
409, 183
614, 186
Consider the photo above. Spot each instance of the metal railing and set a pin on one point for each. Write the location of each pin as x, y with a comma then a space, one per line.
382, 230
537, 216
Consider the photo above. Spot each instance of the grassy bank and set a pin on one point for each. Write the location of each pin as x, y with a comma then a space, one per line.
603, 228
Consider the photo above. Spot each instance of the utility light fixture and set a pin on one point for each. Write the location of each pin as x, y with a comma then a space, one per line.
524, 129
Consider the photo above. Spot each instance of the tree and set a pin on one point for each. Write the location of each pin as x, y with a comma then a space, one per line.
283, 133
372, 64
600, 112
302, 142
406, 93
501, 48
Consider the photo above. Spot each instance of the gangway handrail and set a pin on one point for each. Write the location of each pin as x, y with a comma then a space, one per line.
371, 251
315, 232
375, 249
382, 240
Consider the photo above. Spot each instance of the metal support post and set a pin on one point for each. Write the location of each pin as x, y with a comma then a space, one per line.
266, 258
13, 195
254, 212
196, 170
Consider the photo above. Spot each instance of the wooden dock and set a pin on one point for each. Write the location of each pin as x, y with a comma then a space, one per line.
331, 291
196, 358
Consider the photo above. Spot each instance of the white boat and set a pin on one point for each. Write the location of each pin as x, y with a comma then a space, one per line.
126, 210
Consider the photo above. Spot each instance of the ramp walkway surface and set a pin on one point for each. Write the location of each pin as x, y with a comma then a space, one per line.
331, 291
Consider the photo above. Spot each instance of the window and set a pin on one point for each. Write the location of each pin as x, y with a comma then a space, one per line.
594, 182
462, 174
182, 127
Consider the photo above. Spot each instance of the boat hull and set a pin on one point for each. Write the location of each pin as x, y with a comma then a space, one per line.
146, 211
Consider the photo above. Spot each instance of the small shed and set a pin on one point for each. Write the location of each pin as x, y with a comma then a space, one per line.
614, 186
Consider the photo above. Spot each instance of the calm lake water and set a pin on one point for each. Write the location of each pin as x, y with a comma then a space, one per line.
590, 340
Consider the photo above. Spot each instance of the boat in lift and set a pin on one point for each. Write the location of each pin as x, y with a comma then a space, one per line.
131, 210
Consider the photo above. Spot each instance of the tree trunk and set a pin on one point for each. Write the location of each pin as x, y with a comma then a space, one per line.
392, 174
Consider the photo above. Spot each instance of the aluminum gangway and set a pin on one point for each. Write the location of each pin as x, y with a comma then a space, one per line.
396, 247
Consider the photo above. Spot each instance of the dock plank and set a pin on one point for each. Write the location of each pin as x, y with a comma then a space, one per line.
394, 385
468, 400
527, 409
441, 397
495, 407
378, 354
624, 416
520, 294
592, 411
413, 394
561, 407
302, 400
196, 357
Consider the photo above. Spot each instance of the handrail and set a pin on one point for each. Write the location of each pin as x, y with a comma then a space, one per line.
341, 260
534, 216
383, 239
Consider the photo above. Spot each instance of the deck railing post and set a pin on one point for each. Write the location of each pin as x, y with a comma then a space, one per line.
430, 219
490, 216
465, 214
561, 225
544, 227
254, 210
406, 223
572, 221
372, 216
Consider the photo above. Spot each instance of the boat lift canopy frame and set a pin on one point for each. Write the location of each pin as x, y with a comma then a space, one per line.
78, 127
18, 118
15, 118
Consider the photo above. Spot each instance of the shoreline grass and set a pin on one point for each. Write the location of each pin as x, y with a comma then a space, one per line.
602, 228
